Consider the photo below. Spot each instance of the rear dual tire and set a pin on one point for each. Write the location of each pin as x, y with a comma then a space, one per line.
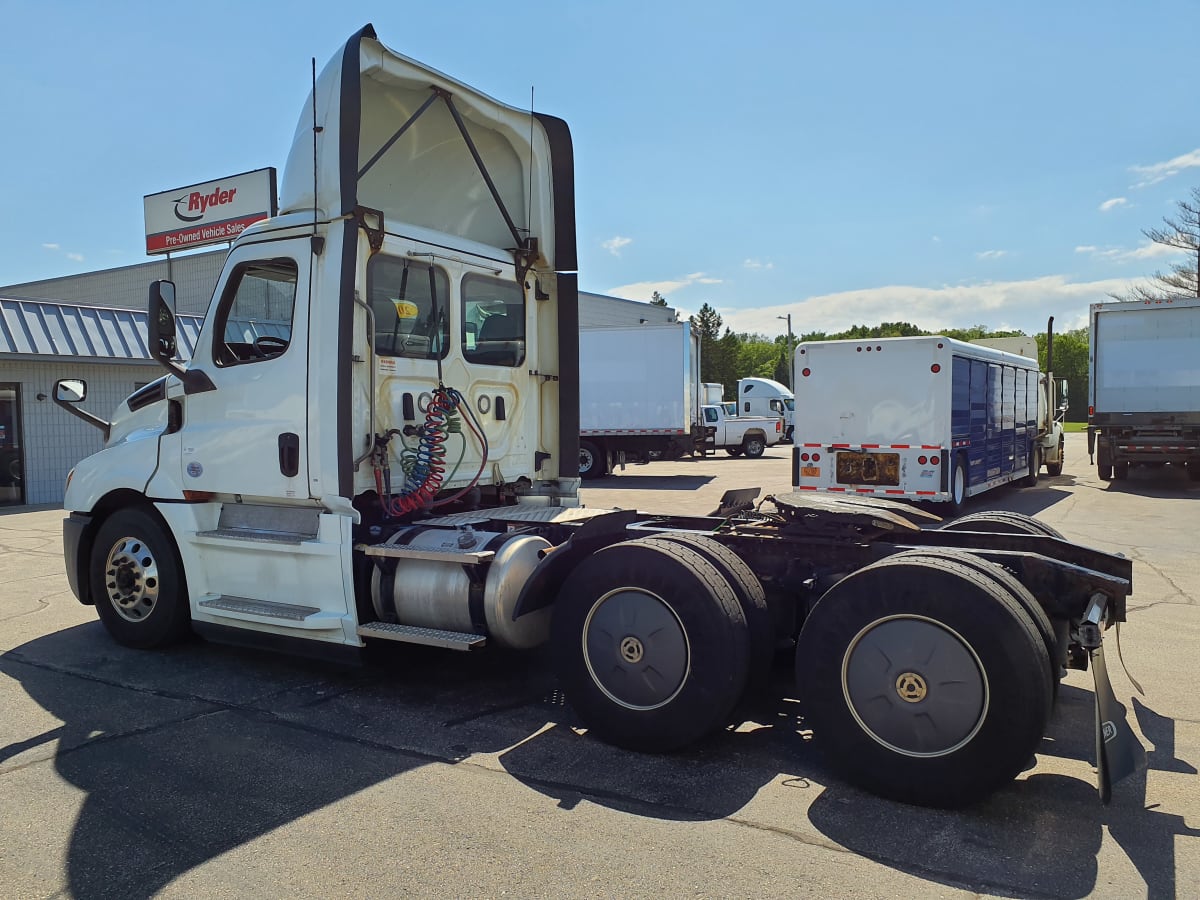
924, 680
652, 647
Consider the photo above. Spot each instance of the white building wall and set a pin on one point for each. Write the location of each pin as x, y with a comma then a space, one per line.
54, 440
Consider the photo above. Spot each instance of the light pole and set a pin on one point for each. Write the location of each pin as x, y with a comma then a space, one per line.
788, 367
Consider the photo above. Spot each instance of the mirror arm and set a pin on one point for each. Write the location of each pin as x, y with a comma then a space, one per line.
88, 417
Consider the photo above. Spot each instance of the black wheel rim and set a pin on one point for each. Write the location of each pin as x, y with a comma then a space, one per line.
915, 686
636, 649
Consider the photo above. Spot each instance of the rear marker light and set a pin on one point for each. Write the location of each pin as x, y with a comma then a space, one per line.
933, 460
806, 372
935, 368
816, 457
921, 460
804, 457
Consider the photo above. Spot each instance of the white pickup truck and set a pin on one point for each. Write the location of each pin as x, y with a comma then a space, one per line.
736, 435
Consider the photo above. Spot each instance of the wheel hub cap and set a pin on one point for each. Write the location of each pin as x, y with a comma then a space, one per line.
911, 687
131, 579
635, 649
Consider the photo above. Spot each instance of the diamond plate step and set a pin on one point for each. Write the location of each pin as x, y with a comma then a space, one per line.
246, 609
430, 637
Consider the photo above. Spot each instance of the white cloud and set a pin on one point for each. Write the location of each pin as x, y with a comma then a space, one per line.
936, 239
1156, 172
643, 289
757, 264
614, 244
992, 254
1023, 305
52, 246
77, 257
1148, 250
1113, 204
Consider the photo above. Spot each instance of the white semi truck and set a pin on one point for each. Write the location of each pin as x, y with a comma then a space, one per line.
765, 397
639, 395
1144, 401
376, 439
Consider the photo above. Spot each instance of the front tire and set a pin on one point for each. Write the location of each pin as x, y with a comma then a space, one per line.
137, 581
924, 681
734, 451
1055, 468
651, 645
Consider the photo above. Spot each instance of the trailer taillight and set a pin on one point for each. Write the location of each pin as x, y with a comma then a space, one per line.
933, 460
935, 368
1091, 411
806, 372
816, 457
921, 460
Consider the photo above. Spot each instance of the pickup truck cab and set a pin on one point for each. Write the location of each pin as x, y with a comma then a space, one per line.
751, 435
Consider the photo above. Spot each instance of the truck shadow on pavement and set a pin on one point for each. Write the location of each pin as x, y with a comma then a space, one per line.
631, 481
187, 754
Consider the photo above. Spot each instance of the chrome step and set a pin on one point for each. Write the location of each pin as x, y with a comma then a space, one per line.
430, 637
290, 614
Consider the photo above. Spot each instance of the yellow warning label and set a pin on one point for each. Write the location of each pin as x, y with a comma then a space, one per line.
405, 310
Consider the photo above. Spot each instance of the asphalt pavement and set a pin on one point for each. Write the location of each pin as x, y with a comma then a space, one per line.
208, 771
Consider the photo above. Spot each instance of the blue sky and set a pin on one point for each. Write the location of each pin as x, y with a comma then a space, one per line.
940, 163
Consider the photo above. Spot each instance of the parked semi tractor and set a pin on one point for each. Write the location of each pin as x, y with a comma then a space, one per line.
764, 397
639, 395
320, 475
1144, 400
925, 418
1049, 443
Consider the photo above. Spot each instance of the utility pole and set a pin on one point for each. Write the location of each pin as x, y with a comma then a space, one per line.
788, 317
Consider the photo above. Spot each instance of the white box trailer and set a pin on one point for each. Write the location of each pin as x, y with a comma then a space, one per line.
640, 395
1144, 391
927, 418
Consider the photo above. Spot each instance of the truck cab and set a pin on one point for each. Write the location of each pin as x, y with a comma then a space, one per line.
765, 397
387, 344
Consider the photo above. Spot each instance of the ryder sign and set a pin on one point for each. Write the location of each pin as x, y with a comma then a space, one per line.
208, 213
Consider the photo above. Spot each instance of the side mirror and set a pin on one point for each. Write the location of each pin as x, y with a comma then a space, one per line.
160, 321
70, 390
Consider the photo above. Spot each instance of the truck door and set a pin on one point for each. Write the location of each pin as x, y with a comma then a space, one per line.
248, 436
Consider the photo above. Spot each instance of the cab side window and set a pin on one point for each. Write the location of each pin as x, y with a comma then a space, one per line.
411, 310
493, 321
710, 414
254, 321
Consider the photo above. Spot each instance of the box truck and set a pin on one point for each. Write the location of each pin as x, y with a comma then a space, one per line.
764, 397
1049, 444
924, 418
640, 395
377, 439
1144, 392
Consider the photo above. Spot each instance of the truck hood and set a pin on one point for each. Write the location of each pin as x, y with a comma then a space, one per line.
399, 137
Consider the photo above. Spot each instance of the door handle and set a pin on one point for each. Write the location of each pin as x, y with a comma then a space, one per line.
289, 454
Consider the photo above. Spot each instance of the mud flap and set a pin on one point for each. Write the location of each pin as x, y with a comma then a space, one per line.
1119, 753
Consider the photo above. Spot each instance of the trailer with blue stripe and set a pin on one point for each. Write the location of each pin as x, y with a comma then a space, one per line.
925, 418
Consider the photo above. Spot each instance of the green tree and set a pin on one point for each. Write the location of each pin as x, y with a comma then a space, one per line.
718, 352
658, 299
1070, 362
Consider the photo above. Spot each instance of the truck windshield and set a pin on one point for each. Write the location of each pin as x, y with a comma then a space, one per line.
408, 321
